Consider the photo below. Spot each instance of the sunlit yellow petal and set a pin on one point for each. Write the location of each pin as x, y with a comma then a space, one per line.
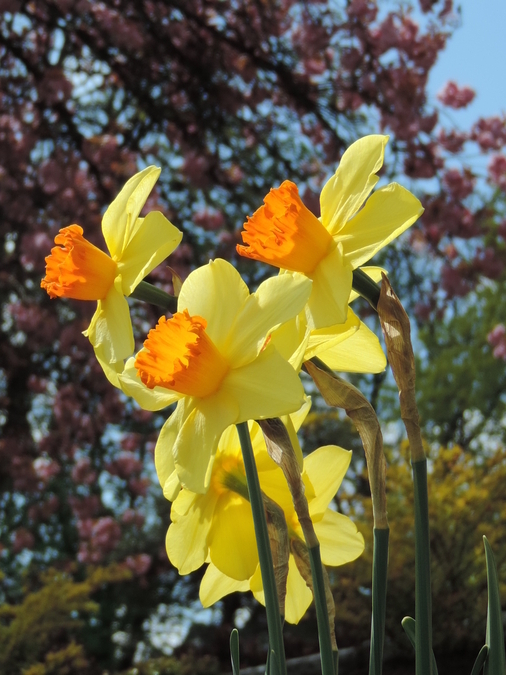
215, 585
110, 331
217, 293
360, 353
291, 340
186, 540
298, 595
164, 449
154, 241
267, 387
198, 437
328, 302
119, 221
387, 213
148, 399
233, 522
344, 194
340, 542
278, 299
326, 338
326, 468
183, 503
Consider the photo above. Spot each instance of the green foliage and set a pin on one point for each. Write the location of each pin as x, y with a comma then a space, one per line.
38, 636
460, 384
466, 501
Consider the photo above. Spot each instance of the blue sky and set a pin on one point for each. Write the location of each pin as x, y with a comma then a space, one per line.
476, 56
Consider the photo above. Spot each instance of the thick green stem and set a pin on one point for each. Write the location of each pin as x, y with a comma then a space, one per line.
274, 625
379, 595
148, 293
423, 606
366, 287
328, 660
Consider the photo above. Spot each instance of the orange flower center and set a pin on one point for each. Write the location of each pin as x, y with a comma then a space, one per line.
228, 474
78, 269
285, 233
180, 356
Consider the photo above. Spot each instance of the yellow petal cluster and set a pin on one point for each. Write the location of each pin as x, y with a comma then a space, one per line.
243, 377
217, 527
352, 228
78, 269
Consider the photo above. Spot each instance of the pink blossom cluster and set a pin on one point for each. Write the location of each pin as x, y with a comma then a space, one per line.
459, 183
497, 171
456, 97
139, 564
490, 133
497, 339
98, 537
45, 469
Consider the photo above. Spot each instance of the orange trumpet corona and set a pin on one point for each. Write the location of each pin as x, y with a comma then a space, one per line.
77, 269
283, 232
179, 355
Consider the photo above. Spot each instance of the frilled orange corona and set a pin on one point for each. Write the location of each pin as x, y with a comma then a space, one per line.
179, 355
77, 269
283, 232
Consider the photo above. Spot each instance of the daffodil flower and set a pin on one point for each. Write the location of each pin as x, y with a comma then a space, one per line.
349, 347
214, 359
78, 269
284, 233
217, 527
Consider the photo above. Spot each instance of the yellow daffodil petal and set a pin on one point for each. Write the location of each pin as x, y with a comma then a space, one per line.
291, 340
298, 595
215, 585
216, 292
183, 503
360, 353
186, 540
197, 440
344, 194
340, 542
328, 302
148, 399
273, 483
119, 221
326, 338
387, 213
277, 300
154, 240
233, 522
164, 449
267, 387
110, 330
374, 273
326, 468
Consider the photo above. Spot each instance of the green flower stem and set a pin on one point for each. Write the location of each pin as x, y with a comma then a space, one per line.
379, 596
366, 287
329, 659
148, 293
423, 604
274, 626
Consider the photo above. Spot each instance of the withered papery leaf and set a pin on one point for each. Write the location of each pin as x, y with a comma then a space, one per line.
396, 329
280, 449
341, 394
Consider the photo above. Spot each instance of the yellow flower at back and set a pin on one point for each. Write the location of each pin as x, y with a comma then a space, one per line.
78, 269
214, 358
284, 233
217, 527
